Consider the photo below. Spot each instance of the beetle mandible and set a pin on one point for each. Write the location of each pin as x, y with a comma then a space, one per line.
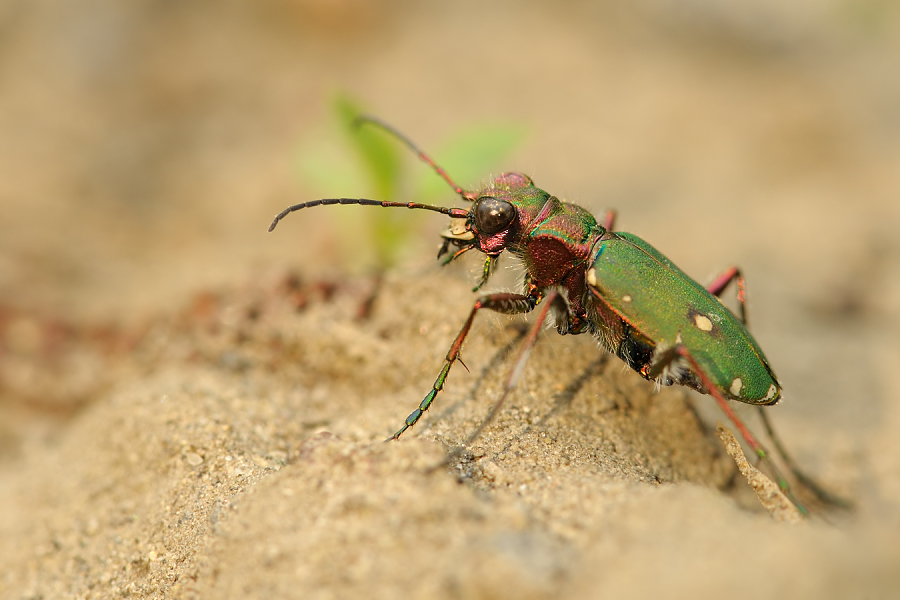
593, 279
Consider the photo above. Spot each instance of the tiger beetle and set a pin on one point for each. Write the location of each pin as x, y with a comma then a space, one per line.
613, 285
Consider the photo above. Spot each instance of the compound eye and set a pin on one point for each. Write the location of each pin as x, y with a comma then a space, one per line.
493, 215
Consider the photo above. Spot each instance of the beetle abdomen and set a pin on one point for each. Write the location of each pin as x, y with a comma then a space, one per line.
659, 301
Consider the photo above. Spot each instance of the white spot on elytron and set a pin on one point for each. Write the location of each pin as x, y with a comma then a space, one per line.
771, 393
626, 298
736, 386
702, 322
592, 277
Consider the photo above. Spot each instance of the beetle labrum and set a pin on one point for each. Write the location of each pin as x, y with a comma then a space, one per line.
592, 279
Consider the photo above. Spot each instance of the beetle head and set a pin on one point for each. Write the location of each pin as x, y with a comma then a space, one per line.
493, 216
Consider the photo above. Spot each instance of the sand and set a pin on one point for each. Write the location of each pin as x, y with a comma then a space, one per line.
241, 456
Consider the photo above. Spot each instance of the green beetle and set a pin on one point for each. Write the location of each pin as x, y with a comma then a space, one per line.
592, 279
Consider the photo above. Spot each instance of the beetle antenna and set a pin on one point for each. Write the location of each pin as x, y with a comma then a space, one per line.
455, 213
370, 120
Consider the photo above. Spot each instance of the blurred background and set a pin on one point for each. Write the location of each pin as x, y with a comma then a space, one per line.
145, 147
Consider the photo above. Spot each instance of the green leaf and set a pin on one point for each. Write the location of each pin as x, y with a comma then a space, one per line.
370, 165
377, 153
326, 167
469, 157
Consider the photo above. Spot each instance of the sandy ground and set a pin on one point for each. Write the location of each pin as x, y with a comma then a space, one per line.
192, 408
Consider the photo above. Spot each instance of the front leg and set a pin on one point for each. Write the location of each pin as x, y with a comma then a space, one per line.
489, 263
510, 304
551, 301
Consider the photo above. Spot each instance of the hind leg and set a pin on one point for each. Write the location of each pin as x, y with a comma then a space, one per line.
716, 288
665, 358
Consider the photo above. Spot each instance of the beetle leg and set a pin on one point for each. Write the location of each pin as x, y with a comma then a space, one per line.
808, 482
506, 303
716, 288
455, 255
751, 440
662, 365
445, 247
552, 300
721, 282
488, 267
609, 220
